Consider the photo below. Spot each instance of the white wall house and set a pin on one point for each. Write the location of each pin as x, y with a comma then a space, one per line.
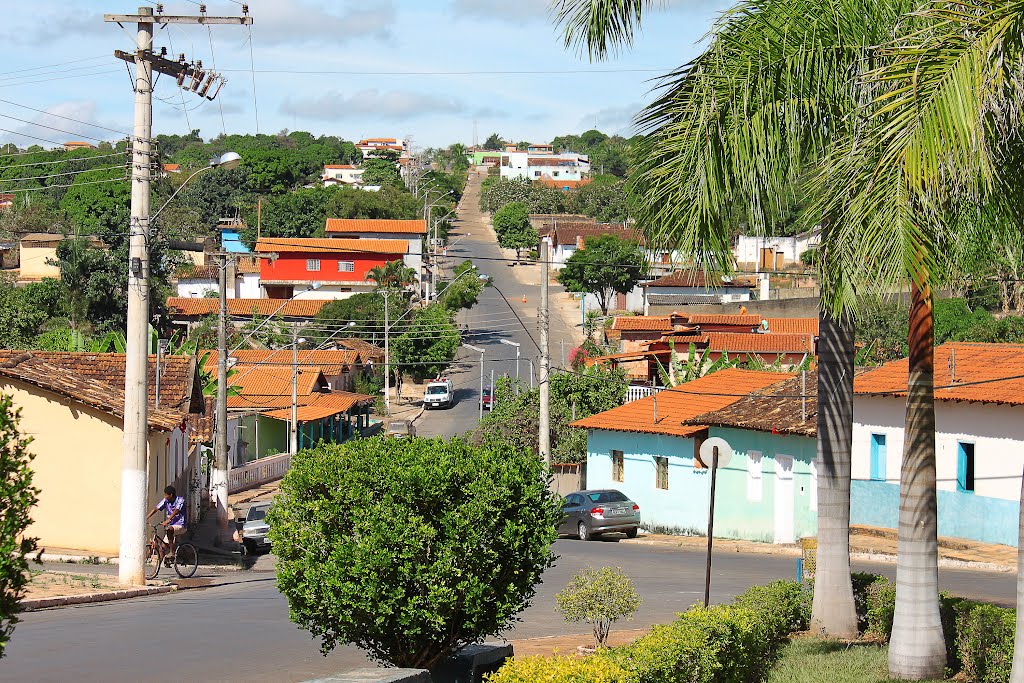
346, 174
979, 441
768, 250
690, 287
536, 166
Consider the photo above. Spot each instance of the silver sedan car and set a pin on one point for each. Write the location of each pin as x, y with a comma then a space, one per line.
588, 514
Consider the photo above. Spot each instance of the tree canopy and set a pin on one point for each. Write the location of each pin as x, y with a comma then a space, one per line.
606, 265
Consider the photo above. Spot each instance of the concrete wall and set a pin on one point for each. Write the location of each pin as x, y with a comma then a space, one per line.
806, 307
196, 289
742, 510
77, 469
264, 436
34, 262
748, 247
247, 286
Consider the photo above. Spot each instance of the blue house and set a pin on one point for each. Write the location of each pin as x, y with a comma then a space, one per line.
649, 449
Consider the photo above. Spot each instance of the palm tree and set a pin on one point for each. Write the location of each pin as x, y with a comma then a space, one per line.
392, 275
730, 137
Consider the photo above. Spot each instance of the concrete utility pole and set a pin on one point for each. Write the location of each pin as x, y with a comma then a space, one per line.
219, 473
131, 566
293, 436
543, 316
387, 356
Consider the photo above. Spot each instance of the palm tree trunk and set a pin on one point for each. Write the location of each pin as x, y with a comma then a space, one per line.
1017, 674
917, 649
833, 612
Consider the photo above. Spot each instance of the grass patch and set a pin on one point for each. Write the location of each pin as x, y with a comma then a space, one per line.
808, 660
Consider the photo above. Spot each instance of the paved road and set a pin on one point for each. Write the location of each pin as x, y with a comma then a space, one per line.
239, 630
492, 320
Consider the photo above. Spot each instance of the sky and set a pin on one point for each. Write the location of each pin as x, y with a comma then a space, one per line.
432, 70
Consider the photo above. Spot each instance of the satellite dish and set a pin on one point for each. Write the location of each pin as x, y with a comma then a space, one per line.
707, 452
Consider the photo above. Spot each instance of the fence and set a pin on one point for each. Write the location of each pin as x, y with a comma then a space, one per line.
569, 477
258, 472
634, 393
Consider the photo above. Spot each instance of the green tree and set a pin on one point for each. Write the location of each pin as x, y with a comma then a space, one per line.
18, 496
94, 205
392, 275
512, 225
382, 169
494, 142
427, 344
365, 309
607, 264
599, 597
476, 531
302, 213
463, 290
388, 203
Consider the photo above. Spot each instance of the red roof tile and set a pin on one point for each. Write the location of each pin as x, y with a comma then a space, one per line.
340, 166
735, 342
296, 308
330, 362
709, 393
351, 226
330, 245
636, 323
696, 278
979, 368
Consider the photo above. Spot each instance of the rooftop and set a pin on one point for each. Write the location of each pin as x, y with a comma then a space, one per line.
330, 244
329, 361
709, 393
340, 166
572, 232
977, 378
778, 409
369, 225
697, 278
655, 323
319, 406
296, 308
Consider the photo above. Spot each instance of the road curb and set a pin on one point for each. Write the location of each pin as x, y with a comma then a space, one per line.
85, 598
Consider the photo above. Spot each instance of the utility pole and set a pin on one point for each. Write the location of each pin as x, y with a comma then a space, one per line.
543, 315
131, 566
387, 356
219, 473
293, 435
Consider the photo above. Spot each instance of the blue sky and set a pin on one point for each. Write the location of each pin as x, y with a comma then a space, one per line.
385, 56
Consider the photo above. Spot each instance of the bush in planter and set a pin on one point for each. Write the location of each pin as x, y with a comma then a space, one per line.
598, 668
599, 597
411, 548
984, 641
785, 606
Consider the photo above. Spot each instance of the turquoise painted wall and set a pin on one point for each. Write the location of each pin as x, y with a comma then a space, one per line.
683, 507
961, 515
736, 514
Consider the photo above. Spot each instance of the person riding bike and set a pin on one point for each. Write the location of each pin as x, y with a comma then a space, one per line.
173, 506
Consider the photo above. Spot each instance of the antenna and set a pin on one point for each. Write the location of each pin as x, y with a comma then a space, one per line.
952, 365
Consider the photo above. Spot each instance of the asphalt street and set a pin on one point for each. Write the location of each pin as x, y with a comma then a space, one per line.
238, 629
492, 320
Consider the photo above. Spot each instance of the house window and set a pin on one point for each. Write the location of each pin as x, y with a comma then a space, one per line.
554, 174
755, 478
878, 457
536, 174
312, 264
618, 466
965, 467
346, 266
661, 472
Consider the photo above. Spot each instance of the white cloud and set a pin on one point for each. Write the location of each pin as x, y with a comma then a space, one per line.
306, 22
514, 11
612, 120
396, 105
71, 120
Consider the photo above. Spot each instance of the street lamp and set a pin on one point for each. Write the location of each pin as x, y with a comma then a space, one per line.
481, 352
134, 467
506, 342
293, 445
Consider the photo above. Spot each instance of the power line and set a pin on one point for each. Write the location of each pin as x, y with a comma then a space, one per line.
66, 118
57, 175
59, 130
54, 187
60, 161
449, 73
50, 66
61, 78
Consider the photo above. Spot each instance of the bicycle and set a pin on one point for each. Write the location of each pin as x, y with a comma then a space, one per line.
186, 557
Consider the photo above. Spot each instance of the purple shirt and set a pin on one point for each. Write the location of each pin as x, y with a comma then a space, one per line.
175, 511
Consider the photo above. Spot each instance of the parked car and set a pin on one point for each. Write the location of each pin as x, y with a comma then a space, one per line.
401, 429
255, 529
439, 394
588, 514
486, 399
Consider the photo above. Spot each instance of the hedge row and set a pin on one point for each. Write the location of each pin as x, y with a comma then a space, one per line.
720, 644
979, 637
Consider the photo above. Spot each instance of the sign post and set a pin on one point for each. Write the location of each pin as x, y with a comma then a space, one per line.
719, 452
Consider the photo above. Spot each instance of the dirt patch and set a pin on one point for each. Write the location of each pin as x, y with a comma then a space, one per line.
567, 644
49, 584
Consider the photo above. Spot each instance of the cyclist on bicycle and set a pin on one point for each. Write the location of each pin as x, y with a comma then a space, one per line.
173, 506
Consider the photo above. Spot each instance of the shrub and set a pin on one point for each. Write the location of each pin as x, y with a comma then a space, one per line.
571, 669
785, 606
881, 606
599, 597
984, 641
411, 548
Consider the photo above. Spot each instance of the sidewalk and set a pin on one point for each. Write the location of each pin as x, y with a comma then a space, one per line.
866, 543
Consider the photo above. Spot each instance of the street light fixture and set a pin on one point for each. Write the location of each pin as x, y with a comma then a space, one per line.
481, 352
225, 162
507, 342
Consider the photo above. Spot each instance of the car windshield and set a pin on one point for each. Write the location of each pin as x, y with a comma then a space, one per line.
256, 514
437, 389
398, 427
607, 497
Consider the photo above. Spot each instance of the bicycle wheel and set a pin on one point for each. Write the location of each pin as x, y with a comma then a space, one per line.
186, 560
153, 561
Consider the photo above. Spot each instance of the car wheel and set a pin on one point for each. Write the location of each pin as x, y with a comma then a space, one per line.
583, 532
632, 532
248, 549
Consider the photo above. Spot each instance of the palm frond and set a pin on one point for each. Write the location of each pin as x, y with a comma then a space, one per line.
600, 27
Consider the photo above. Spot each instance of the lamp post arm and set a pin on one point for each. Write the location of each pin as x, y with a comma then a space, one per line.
175, 193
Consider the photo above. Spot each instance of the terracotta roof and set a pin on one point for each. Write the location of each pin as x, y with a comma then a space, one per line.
340, 166
776, 409
331, 244
548, 181
52, 239
193, 271
296, 308
248, 265
736, 342
570, 233
367, 225
103, 396
979, 368
172, 167
724, 319
792, 325
711, 392
321, 405
367, 351
260, 380
178, 388
632, 323
696, 278
330, 362
363, 142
